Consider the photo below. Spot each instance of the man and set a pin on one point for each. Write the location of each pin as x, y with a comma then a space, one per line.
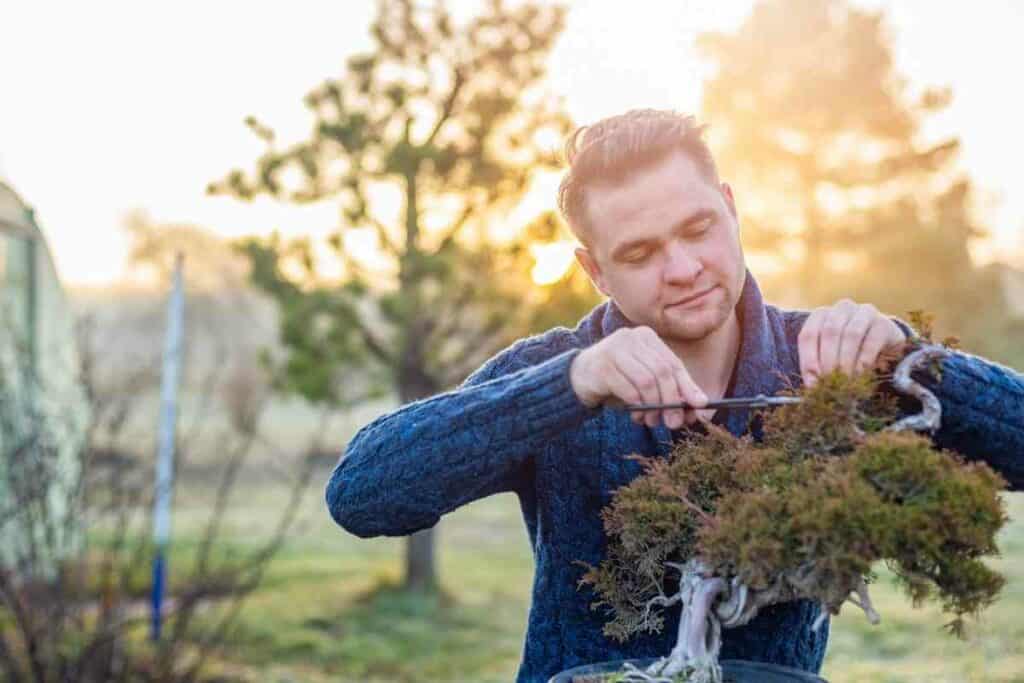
685, 321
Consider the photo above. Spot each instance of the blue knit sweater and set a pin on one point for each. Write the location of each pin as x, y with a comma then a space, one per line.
516, 425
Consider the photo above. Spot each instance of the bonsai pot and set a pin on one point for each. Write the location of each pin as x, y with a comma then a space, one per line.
733, 671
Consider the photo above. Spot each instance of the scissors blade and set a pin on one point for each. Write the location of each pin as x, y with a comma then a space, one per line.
759, 401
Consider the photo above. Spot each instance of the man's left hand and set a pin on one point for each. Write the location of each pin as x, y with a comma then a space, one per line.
845, 335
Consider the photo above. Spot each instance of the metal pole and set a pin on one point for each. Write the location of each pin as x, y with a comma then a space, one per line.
170, 380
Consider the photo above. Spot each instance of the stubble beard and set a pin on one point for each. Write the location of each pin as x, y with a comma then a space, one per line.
690, 329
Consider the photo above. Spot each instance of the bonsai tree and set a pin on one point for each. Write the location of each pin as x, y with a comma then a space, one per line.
726, 526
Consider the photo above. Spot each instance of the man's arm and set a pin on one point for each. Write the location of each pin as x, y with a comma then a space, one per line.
404, 470
982, 413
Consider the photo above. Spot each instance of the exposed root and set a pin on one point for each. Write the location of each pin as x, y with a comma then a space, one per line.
635, 675
709, 604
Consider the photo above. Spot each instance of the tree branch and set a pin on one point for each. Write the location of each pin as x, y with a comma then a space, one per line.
382, 233
474, 357
456, 306
467, 212
375, 347
446, 110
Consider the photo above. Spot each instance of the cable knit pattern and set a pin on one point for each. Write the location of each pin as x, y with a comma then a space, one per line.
516, 425
982, 413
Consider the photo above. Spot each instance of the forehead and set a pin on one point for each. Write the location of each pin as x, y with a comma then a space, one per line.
649, 202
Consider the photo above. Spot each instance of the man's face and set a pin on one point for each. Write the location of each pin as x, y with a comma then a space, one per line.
661, 238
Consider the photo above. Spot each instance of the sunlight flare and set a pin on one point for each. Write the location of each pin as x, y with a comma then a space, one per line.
551, 261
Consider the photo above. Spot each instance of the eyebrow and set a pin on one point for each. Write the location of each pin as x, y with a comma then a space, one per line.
695, 217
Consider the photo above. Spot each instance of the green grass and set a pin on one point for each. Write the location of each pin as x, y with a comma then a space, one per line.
910, 644
329, 610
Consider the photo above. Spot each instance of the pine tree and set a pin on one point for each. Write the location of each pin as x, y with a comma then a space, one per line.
824, 141
451, 121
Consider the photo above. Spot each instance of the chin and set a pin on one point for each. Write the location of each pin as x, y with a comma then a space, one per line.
692, 325
689, 333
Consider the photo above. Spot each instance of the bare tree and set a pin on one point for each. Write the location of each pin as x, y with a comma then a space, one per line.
74, 611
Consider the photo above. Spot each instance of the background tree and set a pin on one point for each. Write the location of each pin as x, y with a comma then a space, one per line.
422, 141
826, 145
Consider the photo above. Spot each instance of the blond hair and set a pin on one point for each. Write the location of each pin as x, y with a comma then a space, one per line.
607, 151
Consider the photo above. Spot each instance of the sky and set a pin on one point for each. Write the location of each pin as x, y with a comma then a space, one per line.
106, 107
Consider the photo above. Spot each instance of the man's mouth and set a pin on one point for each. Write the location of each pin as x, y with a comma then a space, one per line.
692, 299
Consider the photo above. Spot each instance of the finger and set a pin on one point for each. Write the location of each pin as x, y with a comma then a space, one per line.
643, 379
653, 382
831, 336
694, 395
677, 385
807, 345
703, 416
660, 364
623, 388
853, 336
874, 342
690, 392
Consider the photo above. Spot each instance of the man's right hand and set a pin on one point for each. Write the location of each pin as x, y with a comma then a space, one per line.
634, 365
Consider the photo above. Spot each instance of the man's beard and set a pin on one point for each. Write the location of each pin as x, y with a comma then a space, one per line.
693, 330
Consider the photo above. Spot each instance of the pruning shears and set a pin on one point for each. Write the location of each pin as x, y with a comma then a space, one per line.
759, 401
928, 420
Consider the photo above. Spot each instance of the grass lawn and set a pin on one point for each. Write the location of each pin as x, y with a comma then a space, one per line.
328, 610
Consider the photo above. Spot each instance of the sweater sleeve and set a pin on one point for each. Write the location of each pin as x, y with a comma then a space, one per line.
982, 410
404, 470
982, 413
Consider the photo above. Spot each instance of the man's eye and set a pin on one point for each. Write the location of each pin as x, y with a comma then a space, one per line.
704, 226
638, 256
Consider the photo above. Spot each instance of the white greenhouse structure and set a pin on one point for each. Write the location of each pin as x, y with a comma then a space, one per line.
43, 409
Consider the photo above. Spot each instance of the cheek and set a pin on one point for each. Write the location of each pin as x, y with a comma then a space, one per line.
639, 285
648, 281
724, 256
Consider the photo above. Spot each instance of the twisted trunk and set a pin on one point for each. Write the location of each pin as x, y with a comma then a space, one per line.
711, 603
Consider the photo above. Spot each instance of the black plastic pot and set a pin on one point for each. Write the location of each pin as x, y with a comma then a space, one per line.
733, 670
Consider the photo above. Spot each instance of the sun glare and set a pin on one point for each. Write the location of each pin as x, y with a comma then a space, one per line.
551, 261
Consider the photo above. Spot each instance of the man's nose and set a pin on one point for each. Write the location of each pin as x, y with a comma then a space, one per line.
680, 264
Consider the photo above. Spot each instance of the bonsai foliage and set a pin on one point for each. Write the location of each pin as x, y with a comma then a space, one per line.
726, 525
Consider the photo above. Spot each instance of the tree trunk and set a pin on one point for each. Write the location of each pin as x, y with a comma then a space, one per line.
420, 570
420, 567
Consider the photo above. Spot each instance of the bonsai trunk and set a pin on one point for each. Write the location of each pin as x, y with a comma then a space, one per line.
710, 603
700, 629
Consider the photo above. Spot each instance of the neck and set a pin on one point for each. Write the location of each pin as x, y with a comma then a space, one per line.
710, 360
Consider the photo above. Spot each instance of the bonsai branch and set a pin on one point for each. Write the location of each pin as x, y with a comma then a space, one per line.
930, 417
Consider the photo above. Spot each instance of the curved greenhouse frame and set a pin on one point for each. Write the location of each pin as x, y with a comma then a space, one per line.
44, 412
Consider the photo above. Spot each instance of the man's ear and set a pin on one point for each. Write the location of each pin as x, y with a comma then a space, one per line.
586, 259
730, 201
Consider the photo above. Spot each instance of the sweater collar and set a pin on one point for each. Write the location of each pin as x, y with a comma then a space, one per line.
758, 368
